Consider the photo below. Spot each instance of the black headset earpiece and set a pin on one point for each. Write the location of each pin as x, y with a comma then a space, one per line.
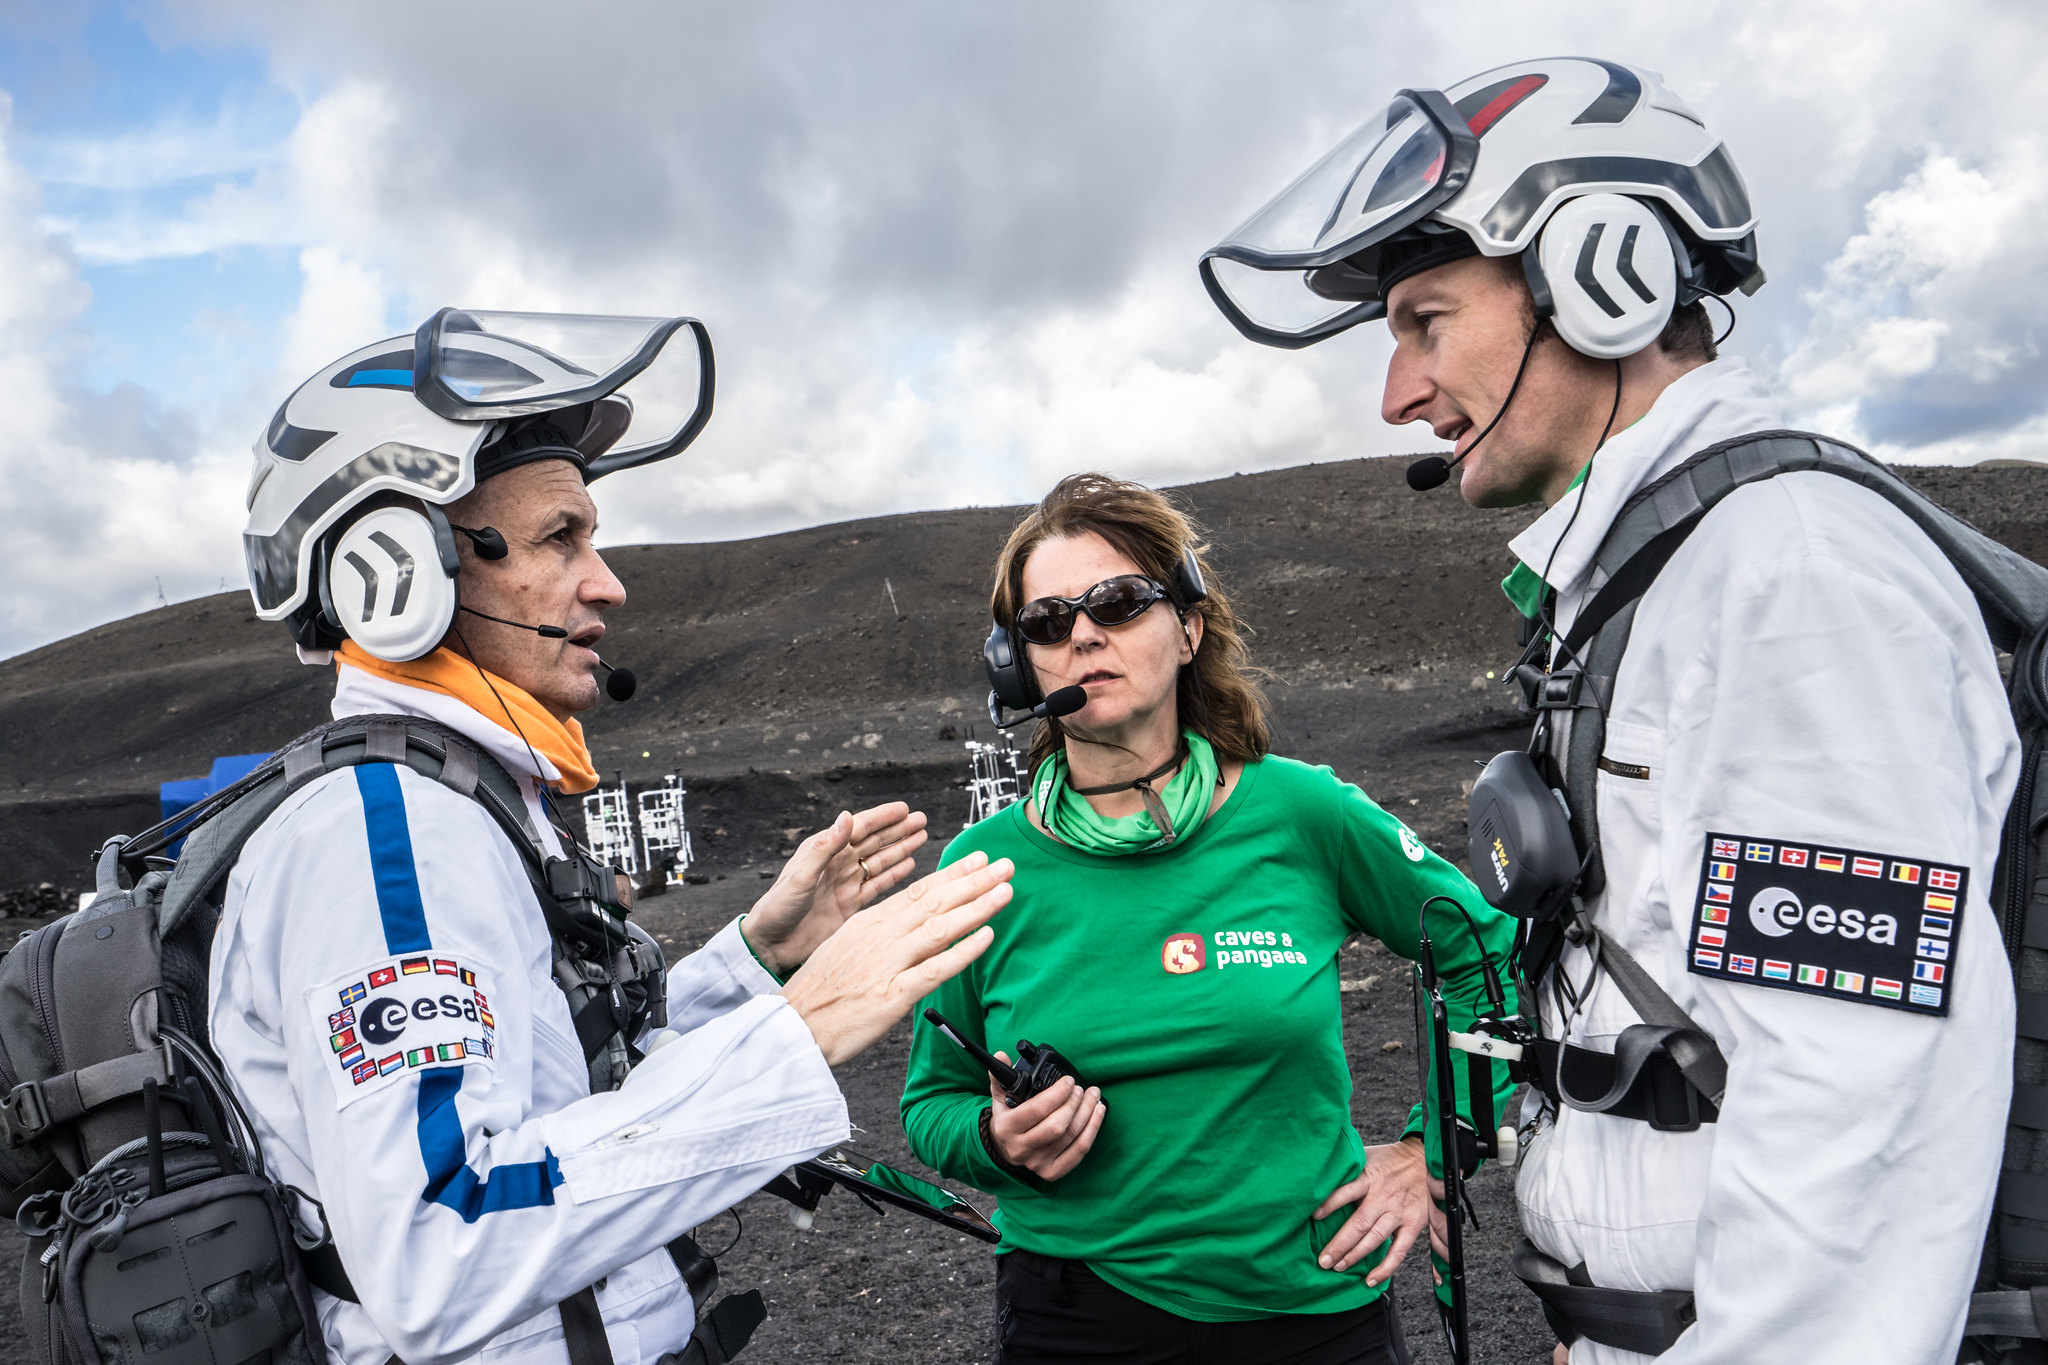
488, 541
1539, 287
1002, 658
1188, 580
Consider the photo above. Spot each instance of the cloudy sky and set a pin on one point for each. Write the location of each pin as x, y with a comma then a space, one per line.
946, 250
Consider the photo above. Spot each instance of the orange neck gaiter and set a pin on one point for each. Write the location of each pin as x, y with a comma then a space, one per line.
448, 673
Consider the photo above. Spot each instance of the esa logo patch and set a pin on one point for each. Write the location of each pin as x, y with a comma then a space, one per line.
1845, 923
402, 1014
1183, 953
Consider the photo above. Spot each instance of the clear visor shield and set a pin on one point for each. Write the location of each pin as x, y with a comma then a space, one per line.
478, 365
1389, 174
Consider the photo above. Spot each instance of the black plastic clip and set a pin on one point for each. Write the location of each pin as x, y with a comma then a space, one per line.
1559, 691
24, 1113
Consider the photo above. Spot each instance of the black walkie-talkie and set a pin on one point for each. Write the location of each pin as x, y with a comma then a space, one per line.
1036, 1070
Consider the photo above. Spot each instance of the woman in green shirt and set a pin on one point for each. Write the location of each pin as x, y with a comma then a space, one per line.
1180, 898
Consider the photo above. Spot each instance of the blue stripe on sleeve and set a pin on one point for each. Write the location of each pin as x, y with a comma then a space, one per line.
398, 882
451, 1183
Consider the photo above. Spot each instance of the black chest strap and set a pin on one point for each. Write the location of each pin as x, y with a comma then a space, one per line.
1648, 1322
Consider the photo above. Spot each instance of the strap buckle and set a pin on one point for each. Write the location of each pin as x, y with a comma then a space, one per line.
1559, 690
24, 1113
1664, 1088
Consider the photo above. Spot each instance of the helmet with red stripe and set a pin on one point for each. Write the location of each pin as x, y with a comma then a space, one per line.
1483, 168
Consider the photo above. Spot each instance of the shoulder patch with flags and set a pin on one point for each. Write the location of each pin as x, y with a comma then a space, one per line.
387, 1019
1844, 923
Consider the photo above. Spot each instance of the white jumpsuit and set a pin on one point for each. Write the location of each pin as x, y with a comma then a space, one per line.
383, 1001
1810, 672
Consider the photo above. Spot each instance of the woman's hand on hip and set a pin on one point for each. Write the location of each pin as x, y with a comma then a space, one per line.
867, 976
834, 873
1396, 1200
1049, 1133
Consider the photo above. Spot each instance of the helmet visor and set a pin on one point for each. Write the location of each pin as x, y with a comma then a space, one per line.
473, 364
1389, 174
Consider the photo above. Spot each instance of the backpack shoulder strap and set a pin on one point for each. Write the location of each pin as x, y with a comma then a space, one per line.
2011, 593
2011, 590
430, 749
599, 955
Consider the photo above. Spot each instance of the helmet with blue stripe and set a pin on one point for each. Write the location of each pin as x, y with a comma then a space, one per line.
372, 447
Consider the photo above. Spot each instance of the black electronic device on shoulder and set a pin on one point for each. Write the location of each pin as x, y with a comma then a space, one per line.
1010, 683
1038, 1068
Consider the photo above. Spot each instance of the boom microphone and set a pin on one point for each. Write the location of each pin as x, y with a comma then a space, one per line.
545, 632
1064, 702
619, 683
1431, 470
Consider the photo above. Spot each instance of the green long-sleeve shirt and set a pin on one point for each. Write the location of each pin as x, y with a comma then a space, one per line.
1198, 987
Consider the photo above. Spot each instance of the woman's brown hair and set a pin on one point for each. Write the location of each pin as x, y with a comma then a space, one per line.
1218, 695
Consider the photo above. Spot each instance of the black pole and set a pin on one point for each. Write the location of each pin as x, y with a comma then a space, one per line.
1453, 1314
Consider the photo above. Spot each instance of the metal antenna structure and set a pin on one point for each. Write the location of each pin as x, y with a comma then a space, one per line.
663, 831
995, 780
608, 826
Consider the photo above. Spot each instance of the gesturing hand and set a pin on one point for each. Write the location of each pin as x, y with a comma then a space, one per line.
836, 872
868, 975
1049, 1133
1396, 1198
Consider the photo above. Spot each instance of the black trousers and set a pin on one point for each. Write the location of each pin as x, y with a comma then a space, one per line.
1050, 1310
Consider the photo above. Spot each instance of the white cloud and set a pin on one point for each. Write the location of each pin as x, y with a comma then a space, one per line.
341, 307
101, 496
1923, 328
947, 252
170, 151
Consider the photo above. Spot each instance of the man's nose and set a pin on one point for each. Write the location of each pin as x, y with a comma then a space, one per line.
601, 587
1409, 391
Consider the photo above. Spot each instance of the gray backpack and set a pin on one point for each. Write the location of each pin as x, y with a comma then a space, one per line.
1676, 1079
154, 1234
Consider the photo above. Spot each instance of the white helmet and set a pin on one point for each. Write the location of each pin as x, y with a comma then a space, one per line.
1635, 208
346, 536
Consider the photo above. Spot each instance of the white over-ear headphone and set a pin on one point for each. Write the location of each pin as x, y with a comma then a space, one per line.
1606, 271
388, 582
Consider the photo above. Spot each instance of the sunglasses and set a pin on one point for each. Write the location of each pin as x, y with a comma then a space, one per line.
1112, 602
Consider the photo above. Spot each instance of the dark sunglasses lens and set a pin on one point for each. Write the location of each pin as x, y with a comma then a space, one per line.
1118, 600
1046, 621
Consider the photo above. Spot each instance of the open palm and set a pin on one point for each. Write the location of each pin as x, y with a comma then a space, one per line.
835, 872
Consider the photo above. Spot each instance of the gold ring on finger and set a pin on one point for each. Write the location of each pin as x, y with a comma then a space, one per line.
865, 874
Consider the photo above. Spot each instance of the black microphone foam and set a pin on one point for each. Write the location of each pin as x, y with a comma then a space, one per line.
619, 683
1428, 472
1065, 702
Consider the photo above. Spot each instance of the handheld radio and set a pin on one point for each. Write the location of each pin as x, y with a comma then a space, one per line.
1037, 1068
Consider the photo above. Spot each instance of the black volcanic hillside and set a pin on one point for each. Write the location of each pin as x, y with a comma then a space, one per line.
743, 646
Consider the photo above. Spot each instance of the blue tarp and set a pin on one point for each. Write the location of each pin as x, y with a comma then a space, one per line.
173, 797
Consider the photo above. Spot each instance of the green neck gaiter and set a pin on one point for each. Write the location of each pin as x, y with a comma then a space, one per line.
1184, 803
